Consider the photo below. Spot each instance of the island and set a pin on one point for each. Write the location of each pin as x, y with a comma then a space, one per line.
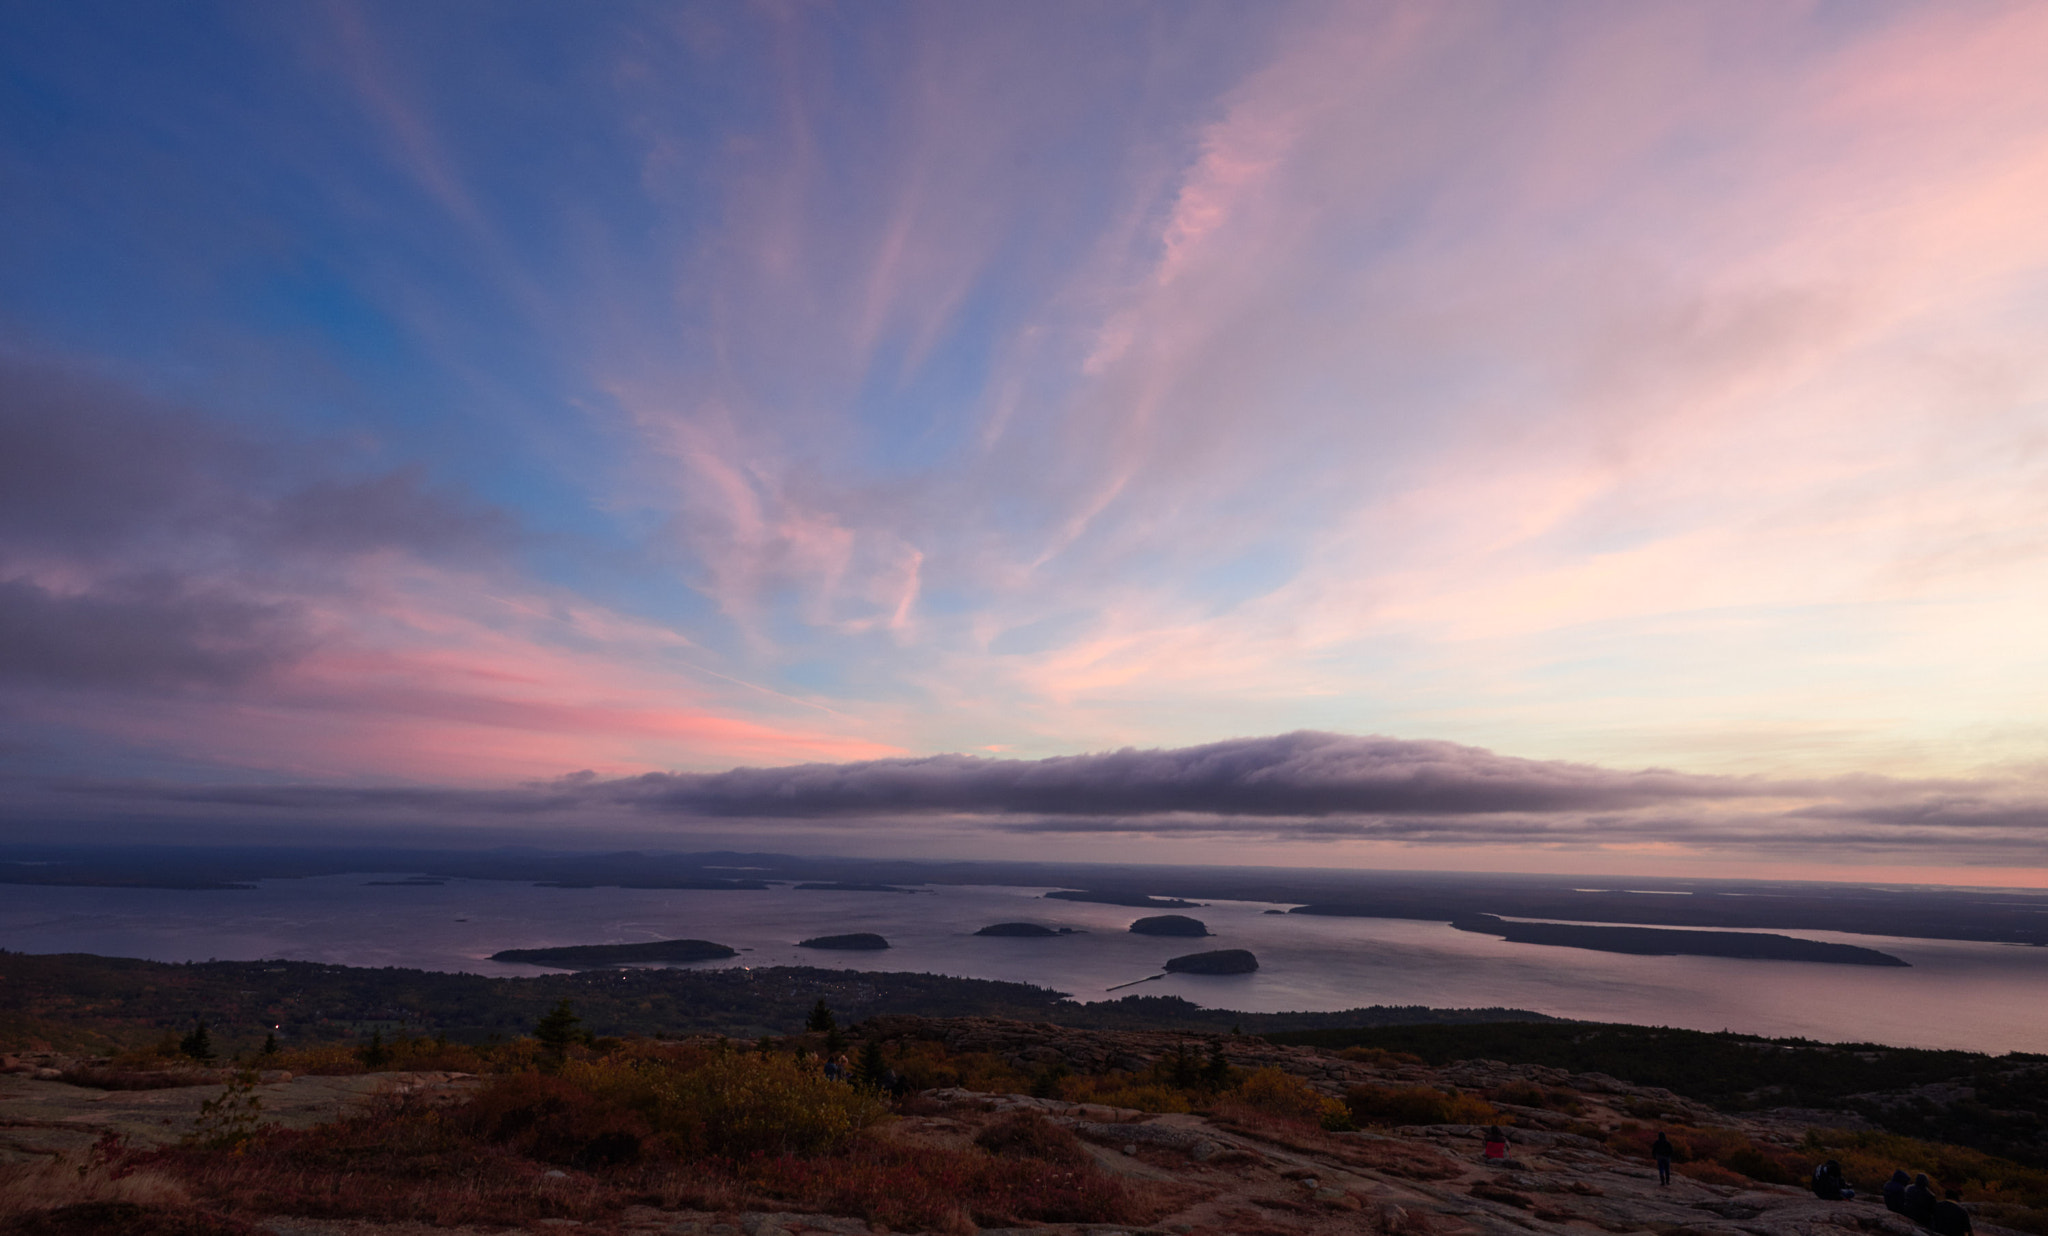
1140, 900
1664, 942
852, 940
849, 886
1030, 931
1170, 925
1221, 961
598, 956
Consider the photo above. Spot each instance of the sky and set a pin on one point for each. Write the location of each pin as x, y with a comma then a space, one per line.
1582, 436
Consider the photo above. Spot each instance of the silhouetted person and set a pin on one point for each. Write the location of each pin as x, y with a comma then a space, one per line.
1895, 1192
1828, 1184
1919, 1200
1660, 1150
1950, 1219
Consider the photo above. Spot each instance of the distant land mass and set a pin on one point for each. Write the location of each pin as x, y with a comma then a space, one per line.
593, 956
2003, 916
1220, 961
848, 886
851, 940
1143, 901
1024, 930
1656, 942
700, 885
1170, 925
76, 1000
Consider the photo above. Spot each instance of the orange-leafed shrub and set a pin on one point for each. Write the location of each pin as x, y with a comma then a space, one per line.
1278, 1093
1418, 1105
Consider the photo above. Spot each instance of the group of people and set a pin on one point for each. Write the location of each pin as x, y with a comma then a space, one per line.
1913, 1197
892, 1083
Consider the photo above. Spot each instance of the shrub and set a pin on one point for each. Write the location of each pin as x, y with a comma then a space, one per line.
731, 1103
1029, 1135
556, 1121
1279, 1093
1379, 1056
1371, 1104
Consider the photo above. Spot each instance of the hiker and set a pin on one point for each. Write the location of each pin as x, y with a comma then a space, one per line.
1496, 1144
1660, 1150
1950, 1219
1918, 1203
832, 1070
1828, 1184
1895, 1192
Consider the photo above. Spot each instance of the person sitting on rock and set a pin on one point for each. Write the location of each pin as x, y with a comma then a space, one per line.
1918, 1203
1496, 1144
1660, 1150
1895, 1192
1828, 1184
1950, 1219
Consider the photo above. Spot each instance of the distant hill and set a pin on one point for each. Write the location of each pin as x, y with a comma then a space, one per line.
579, 956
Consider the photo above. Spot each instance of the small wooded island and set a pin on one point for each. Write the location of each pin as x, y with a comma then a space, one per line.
1221, 961
852, 940
595, 956
1170, 925
1031, 931
1664, 942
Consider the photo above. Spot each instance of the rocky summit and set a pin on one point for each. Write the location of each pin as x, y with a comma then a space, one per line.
1232, 1170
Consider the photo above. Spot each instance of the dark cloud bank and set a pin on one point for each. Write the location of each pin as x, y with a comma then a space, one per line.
146, 548
1303, 786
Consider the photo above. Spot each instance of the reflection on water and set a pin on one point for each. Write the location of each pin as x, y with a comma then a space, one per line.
1984, 997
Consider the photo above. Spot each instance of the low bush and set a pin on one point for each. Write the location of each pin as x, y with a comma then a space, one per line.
1277, 1093
1029, 1135
1395, 1105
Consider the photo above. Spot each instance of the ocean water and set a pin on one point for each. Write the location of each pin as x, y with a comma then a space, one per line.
1982, 997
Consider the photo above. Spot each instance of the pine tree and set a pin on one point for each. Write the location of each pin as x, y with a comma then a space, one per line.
376, 1055
871, 1067
270, 1044
198, 1044
558, 1030
1216, 1073
821, 1019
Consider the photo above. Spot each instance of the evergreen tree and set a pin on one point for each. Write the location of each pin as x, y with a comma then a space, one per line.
559, 1029
198, 1044
1183, 1073
835, 1043
821, 1019
766, 1046
1216, 1073
871, 1067
375, 1055
270, 1044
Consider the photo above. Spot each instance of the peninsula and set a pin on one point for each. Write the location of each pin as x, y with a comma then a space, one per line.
1658, 942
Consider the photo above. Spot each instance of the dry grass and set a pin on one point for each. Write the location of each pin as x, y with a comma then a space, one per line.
100, 1176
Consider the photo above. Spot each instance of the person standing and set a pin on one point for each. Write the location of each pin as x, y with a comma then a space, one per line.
1660, 1150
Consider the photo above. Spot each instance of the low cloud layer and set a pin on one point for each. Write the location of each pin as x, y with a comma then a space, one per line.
1312, 788
1303, 774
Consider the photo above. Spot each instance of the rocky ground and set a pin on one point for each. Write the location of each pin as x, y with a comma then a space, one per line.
1243, 1175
